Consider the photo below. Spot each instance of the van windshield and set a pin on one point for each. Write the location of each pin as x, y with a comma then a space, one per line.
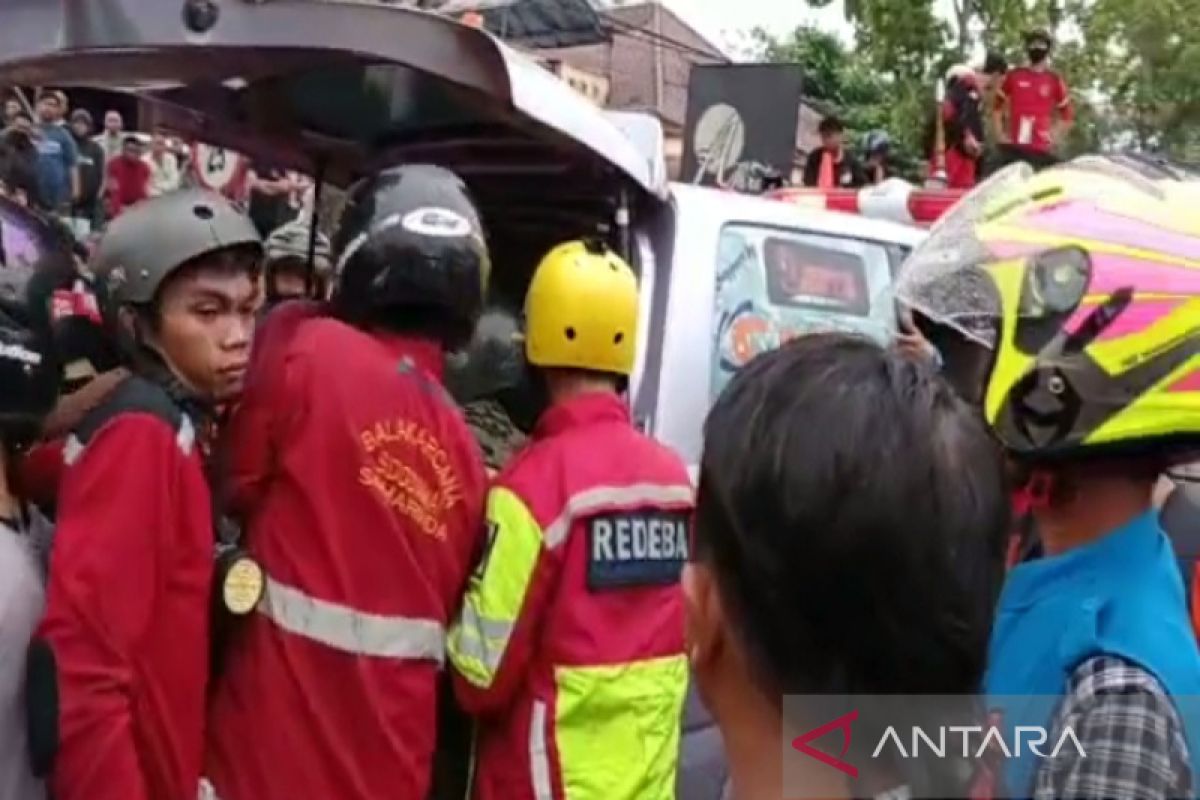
774, 284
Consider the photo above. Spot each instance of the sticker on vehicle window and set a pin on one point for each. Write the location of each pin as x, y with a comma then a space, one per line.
803, 275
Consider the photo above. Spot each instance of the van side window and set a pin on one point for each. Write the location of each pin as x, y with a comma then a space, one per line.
774, 284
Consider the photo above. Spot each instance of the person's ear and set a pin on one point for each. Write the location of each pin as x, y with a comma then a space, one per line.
134, 327
704, 617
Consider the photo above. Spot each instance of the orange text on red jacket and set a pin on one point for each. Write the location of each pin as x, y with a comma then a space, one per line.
394, 452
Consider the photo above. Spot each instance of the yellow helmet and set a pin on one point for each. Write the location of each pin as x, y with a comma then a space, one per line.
1084, 280
581, 310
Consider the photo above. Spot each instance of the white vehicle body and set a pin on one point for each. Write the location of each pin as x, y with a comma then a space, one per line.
683, 362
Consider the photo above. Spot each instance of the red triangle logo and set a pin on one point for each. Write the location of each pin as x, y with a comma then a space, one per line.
842, 723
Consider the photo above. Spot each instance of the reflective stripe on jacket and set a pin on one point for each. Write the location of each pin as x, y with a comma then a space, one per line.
569, 645
362, 492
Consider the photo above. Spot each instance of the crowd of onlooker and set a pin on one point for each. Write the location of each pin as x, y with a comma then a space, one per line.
54, 159
987, 118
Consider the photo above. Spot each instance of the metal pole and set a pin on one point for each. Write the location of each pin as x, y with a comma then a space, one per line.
24, 101
624, 231
310, 275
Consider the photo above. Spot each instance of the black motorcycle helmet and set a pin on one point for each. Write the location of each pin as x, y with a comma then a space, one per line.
29, 376
43, 277
410, 255
29, 371
492, 362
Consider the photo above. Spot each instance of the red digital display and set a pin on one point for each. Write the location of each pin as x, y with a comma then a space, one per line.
800, 274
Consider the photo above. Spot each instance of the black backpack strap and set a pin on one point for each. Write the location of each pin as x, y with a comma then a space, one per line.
134, 395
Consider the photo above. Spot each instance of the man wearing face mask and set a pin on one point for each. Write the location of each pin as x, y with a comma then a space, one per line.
123, 651
1037, 103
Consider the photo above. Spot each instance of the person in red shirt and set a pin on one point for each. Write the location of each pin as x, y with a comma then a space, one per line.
962, 121
128, 178
122, 654
1037, 104
361, 489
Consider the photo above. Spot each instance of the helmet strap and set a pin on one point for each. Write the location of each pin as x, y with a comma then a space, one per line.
146, 361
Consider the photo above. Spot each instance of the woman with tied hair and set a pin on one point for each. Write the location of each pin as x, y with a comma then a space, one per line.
849, 540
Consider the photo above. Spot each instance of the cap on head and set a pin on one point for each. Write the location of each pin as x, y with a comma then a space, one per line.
291, 241
959, 71
581, 310
153, 239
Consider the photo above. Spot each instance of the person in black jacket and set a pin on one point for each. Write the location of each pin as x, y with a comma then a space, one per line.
18, 155
832, 165
87, 211
962, 120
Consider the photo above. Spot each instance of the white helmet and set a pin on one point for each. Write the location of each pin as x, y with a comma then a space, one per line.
959, 71
292, 241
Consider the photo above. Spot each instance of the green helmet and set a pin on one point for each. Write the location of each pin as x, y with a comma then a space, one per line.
291, 241
151, 240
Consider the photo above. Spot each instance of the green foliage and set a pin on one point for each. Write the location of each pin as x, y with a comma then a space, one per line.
838, 81
1131, 65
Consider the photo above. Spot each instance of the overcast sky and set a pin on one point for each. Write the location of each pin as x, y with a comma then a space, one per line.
720, 20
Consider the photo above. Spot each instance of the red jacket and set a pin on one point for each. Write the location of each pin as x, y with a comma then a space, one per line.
569, 646
127, 607
1034, 99
128, 183
362, 491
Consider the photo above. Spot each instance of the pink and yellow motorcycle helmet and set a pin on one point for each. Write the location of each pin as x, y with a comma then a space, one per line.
1084, 282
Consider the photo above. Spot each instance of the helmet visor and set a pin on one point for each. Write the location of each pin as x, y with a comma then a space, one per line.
946, 277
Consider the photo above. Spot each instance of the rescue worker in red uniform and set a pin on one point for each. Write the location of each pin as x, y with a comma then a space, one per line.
127, 618
569, 646
1037, 103
361, 491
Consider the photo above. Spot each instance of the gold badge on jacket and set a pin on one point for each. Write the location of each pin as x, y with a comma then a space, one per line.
241, 580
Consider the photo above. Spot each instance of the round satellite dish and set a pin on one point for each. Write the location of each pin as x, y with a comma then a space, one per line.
719, 139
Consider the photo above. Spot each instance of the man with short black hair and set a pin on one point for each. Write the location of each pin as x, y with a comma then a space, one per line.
831, 165
58, 157
850, 527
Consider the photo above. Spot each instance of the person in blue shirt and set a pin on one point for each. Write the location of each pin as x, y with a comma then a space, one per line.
58, 157
1092, 392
